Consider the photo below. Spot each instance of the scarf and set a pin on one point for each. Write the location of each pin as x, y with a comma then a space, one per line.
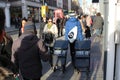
49, 25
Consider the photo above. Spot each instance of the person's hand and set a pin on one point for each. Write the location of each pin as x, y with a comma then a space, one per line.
49, 31
16, 75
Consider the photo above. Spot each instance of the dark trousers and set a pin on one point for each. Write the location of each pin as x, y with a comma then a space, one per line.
59, 32
51, 56
72, 52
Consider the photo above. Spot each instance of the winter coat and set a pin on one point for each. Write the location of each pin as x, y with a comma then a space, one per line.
53, 29
6, 45
72, 22
87, 32
98, 22
27, 52
42, 25
6, 63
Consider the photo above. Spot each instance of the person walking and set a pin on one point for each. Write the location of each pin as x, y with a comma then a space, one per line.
42, 25
88, 21
58, 23
51, 33
5, 47
83, 18
69, 25
33, 21
28, 53
5, 39
87, 33
16, 22
98, 23
21, 28
82, 25
50, 27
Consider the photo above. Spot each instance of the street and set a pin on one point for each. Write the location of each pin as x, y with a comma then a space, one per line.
96, 64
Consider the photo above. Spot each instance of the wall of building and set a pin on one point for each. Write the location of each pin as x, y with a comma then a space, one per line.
25, 4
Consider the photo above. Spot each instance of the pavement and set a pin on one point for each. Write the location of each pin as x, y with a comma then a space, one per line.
96, 63
96, 66
12, 28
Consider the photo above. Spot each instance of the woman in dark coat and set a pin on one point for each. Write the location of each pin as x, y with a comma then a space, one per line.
23, 21
87, 33
28, 52
5, 47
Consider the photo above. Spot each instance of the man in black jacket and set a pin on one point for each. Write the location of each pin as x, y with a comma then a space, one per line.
28, 53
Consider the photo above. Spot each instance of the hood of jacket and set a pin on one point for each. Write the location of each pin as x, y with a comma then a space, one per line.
25, 50
72, 19
28, 41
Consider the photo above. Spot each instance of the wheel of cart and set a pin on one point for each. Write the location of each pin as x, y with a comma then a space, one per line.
82, 56
60, 55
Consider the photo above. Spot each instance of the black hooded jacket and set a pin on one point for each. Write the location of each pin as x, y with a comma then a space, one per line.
27, 52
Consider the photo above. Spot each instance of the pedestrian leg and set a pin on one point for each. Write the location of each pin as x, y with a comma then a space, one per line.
72, 52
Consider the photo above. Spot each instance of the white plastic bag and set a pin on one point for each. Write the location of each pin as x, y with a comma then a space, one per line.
72, 35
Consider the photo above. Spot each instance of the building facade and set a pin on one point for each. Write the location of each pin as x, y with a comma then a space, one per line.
26, 8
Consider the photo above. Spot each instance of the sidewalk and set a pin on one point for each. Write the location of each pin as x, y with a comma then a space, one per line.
12, 28
96, 66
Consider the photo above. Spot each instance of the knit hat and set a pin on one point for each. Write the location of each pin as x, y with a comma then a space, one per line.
29, 26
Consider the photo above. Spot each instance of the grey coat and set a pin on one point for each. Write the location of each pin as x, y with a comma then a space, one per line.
27, 52
98, 22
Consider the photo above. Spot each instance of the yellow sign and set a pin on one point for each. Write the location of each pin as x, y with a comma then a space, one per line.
44, 11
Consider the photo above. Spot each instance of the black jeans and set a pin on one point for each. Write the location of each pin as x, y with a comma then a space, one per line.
72, 52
